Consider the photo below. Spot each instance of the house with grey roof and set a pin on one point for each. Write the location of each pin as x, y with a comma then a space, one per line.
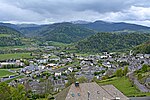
90, 91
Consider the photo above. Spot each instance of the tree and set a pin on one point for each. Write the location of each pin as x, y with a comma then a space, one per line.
12, 93
125, 71
105, 77
5, 91
82, 79
145, 68
48, 87
139, 76
50, 97
18, 93
119, 72
71, 79
95, 79
26, 62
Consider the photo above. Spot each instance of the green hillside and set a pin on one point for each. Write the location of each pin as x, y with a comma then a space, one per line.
143, 48
9, 37
59, 32
111, 42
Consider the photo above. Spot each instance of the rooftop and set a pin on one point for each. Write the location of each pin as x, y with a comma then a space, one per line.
92, 91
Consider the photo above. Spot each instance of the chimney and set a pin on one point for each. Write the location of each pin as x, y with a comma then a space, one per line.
88, 95
76, 84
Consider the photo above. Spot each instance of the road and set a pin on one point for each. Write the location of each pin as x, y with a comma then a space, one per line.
140, 86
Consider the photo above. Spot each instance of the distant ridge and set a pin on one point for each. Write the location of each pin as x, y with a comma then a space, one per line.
70, 32
103, 26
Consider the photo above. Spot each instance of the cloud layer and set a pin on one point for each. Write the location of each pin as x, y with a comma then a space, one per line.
49, 11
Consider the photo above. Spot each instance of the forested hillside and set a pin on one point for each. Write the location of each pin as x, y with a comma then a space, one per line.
111, 42
143, 48
59, 32
69, 32
123, 34
9, 37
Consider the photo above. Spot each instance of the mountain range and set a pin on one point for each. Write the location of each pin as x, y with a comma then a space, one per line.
114, 36
102, 26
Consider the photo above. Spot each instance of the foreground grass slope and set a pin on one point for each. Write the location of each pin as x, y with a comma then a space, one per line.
124, 85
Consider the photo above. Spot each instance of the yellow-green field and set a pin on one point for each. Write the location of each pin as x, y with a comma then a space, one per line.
15, 56
5, 35
5, 72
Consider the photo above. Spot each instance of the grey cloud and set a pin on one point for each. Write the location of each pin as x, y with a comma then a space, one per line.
55, 6
67, 10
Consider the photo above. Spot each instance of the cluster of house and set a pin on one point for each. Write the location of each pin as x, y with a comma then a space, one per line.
11, 62
60, 65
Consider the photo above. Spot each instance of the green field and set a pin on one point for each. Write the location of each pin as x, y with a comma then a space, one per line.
124, 85
5, 35
15, 56
57, 44
5, 72
12, 47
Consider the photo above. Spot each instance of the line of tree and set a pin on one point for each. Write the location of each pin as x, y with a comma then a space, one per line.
9, 66
120, 72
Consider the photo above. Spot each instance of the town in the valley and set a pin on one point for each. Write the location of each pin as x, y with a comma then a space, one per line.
60, 73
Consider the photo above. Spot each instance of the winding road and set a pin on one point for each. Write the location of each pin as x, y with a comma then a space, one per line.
140, 86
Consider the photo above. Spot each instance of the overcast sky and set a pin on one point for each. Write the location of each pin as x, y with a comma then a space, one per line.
50, 11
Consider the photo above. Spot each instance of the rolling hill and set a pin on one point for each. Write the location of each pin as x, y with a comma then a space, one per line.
70, 32
102, 26
143, 48
9, 37
59, 32
101, 42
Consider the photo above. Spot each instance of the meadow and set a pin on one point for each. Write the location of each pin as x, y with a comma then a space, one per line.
5, 72
15, 56
124, 85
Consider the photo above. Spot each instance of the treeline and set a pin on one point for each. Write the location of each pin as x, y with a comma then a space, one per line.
19, 92
9, 66
101, 42
9, 31
9, 41
60, 32
143, 48
12, 93
9, 37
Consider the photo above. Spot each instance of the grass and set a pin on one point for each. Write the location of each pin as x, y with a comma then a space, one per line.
12, 47
57, 44
124, 85
15, 56
5, 35
5, 72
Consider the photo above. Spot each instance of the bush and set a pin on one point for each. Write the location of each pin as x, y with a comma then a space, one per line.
119, 73
145, 68
125, 71
105, 77
139, 76
82, 79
